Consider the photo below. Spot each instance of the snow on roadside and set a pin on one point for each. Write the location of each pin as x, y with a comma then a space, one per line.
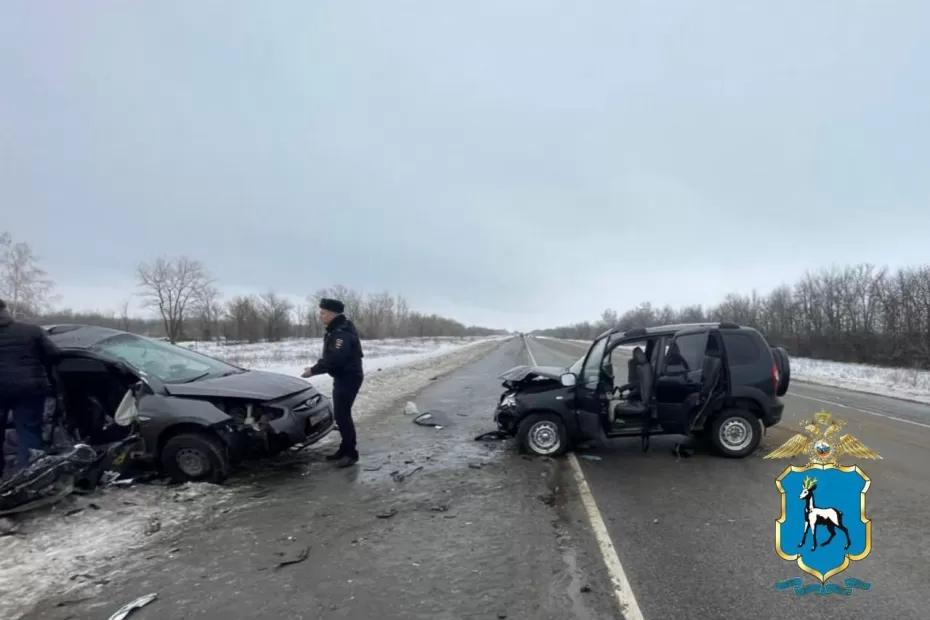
62, 554
292, 356
908, 384
55, 552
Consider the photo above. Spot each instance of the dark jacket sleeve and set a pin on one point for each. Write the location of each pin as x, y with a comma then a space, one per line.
336, 353
49, 352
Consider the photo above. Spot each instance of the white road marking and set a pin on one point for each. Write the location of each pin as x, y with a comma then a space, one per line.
865, 411
622, 590
529, 353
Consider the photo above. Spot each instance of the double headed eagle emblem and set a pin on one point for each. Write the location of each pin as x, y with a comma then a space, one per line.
819, 441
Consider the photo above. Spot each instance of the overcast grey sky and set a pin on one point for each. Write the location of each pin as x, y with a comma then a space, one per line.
511, 163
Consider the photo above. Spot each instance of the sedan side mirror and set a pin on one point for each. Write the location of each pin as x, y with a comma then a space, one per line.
568, 379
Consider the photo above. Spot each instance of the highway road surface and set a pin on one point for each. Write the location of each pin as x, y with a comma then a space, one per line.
695, 536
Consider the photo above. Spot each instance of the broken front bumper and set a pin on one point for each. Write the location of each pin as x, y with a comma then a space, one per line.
305, 420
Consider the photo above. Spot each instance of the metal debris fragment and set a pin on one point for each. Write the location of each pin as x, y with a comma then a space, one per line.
303, 555
139, 603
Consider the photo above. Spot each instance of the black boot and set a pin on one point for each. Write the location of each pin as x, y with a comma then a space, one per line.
348, 460
335, 456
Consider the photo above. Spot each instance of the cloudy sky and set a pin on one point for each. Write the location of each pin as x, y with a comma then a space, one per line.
512, 163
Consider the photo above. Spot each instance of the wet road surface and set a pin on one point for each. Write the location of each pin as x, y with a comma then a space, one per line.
472, 530
696, 535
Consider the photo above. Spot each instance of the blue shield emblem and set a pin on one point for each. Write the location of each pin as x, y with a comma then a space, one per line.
823, 524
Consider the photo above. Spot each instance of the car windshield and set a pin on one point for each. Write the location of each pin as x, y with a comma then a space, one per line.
167, 362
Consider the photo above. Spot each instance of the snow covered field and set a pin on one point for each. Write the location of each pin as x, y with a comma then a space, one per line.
68, 548
290, 357
903, 383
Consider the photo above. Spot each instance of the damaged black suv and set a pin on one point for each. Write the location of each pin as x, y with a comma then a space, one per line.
720, 381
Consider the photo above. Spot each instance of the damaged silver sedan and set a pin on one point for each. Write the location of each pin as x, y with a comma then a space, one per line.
195, 415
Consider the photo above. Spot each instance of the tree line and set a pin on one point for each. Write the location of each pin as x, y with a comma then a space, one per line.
189, 305
859, 313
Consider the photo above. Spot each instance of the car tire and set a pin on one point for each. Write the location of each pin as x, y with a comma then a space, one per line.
784, 369
195, 457
543, 434
735, 433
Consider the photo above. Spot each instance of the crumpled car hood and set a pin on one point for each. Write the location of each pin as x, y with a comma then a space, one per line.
528, 373
253, 385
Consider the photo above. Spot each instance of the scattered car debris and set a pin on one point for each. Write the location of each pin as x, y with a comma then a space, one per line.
139, 603
300, 557
399, 477
152, 527
424, 420
411, 408
439, 508
376, 468
387, 514
74, 511
591, 457
8, 527
585, 589
52, 477
500, 435
474, 465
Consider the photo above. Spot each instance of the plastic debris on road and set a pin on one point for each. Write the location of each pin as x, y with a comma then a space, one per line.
139, 603
411, 408
303, 555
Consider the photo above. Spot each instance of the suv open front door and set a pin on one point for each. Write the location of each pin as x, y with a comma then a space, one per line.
589, 400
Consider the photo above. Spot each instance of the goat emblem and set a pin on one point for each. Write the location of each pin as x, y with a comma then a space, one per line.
814, 516
839, 507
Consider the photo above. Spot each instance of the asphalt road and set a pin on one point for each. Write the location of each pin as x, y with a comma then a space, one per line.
432, 524
695, 535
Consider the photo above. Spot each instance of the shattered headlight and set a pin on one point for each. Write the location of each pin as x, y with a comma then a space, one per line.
509, 401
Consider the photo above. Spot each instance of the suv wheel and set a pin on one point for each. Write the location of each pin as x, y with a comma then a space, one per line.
543, 434
736, 433
195, 456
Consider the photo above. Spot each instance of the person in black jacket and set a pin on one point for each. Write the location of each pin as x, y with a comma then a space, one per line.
342, 360
26, 359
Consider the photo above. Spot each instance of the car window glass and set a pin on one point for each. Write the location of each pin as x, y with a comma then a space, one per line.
166, 362
687, 352
742, 349
591, 374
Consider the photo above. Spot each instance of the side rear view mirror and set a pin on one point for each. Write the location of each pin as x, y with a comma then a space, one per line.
568, 379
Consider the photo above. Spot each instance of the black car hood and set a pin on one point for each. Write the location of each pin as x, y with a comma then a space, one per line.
521, 374
252, 384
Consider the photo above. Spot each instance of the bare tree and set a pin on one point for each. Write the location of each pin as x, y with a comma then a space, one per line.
245, 320
24, 285
124, 321
276, 312
208, 310
171, 286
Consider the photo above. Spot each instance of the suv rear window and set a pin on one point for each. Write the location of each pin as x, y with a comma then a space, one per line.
742, 349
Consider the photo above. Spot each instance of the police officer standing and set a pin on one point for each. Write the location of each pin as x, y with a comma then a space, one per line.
342, 360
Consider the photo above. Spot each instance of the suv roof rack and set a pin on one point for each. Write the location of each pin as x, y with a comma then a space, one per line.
729, 326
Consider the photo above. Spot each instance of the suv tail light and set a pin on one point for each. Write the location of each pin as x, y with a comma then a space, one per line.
776, 377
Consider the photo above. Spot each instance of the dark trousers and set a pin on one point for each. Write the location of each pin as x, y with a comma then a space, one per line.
27, 418
344, 392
